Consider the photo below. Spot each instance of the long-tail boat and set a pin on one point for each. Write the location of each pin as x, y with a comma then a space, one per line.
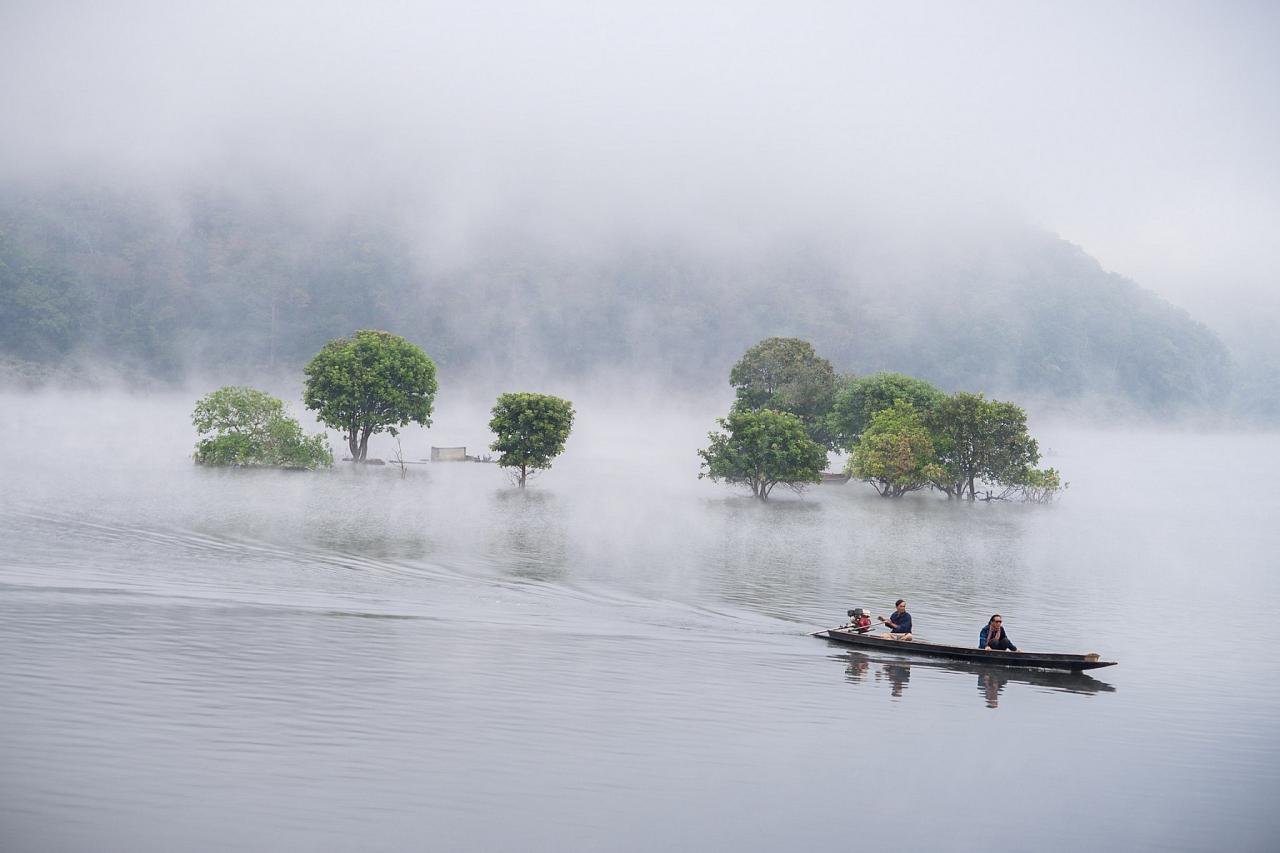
1062, 680
1038, 660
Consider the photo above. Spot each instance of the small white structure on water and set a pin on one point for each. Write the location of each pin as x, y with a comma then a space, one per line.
449, 454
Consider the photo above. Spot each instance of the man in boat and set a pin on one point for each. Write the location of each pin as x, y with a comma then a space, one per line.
993, 638
899, 624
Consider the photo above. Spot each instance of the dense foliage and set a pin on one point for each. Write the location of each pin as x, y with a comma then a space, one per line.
980, 440
531, 430
151, 288
245, 426
368, 383
41, 308
859, 398
786, 375
903, 433
896, 452
761, 449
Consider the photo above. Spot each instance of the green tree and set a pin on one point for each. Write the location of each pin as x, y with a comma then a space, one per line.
531, 430
760, 449
980, 440
858, 399
1042, 485
368, 382
896, 453
1034, 485
786, 375
245, 426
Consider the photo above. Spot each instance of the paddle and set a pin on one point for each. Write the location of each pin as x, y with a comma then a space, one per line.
825, 630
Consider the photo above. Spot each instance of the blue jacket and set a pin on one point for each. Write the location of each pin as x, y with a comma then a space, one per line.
901, 622
1003, 644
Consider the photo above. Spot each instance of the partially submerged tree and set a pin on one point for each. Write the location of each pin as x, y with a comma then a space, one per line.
760, 449
245, 426
980, 440
1042, 485
858, 399
398, 456
1035, 485
369, 382
903, 433
896, 453
785, 374
531, 430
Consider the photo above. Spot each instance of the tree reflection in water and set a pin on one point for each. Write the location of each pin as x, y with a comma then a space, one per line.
992, 680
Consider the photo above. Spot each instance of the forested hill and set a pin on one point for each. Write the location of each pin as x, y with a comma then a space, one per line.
215, 285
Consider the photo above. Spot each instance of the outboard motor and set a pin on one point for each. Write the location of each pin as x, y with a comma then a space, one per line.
860, 620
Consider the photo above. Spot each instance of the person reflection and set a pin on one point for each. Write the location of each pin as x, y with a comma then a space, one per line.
898, 674
990, 685
857, 669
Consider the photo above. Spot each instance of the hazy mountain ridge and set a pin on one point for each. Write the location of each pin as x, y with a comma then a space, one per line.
217, 284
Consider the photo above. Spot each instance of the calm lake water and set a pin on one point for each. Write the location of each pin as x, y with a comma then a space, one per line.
618, 658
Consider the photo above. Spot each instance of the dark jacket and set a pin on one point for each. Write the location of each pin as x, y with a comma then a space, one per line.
1004, 644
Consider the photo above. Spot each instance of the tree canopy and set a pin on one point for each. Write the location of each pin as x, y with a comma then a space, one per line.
370, 382
531, 431
244, 426
858, 399
903, 433
786, 375
760, 449
896, 453
980, 439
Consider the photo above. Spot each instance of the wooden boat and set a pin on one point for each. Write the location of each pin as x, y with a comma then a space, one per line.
1037, 660
829, 477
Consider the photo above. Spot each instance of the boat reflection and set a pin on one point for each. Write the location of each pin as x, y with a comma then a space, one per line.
992, 680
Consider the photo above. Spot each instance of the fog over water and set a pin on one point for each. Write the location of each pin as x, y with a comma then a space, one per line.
618, 657
610, 203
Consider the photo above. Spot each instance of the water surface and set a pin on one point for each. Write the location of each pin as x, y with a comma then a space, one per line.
618, 658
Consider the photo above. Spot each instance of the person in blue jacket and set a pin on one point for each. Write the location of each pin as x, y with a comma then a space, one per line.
993, 637
899, 624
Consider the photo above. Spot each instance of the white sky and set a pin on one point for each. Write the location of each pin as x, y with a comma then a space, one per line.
1147, 132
